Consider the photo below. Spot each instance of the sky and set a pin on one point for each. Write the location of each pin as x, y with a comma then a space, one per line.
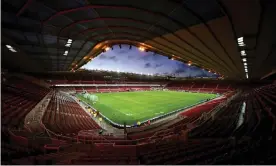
135, 61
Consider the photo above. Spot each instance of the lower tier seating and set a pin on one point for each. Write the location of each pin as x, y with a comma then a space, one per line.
17, 102
64, 116
240, 131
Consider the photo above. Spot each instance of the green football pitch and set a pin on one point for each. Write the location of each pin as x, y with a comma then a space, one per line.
131, 107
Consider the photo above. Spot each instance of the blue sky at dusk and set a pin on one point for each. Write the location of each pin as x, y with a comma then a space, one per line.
135, 61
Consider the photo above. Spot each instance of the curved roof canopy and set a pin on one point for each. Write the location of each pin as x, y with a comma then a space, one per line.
229, 37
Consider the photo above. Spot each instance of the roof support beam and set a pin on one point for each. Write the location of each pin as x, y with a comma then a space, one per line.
163, 46
158, 14
190, 54
26, 5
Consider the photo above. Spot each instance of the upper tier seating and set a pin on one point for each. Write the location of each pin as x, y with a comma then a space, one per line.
53, 82
106, 89
207, 87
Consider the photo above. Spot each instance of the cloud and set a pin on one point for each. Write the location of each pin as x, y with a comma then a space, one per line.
133, 60
180, 70
105, 57
147, 65
130, 57
145, 58
202, 74
114, 58
195, 72
100, 64
180, 65
158, 57
123, 51
158, 65
148, 56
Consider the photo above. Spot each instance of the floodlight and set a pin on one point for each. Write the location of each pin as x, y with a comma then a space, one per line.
141, 48
107, 48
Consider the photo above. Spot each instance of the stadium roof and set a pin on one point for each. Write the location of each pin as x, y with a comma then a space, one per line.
229, 37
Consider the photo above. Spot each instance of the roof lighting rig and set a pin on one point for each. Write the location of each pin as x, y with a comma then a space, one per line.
241, 42
68, 44
11, 48
243, 55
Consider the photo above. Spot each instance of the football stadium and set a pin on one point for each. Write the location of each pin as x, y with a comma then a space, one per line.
124, 82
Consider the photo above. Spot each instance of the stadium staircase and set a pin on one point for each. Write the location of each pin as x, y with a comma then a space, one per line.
33, 120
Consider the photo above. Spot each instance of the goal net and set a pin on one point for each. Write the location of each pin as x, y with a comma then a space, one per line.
157, 88
91, 97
